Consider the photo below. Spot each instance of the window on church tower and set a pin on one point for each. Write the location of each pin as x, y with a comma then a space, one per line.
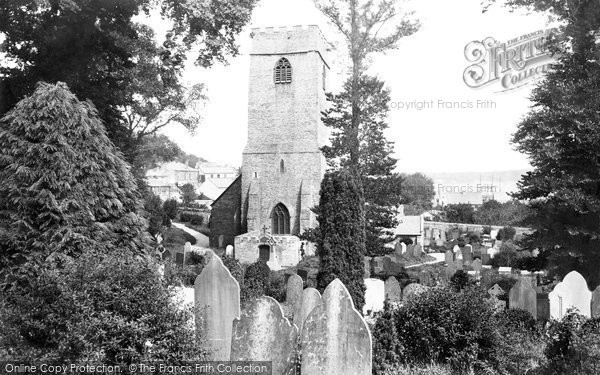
280, 220
281, 166
283, 71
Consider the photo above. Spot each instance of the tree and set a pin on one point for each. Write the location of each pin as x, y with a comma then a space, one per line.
459, 213
417, 192
170, 207
188, 193
560, 136
105, 56
341, 242
367, 29
492, 212
64, 188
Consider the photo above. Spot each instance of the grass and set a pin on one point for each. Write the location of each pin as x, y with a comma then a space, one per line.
174, 239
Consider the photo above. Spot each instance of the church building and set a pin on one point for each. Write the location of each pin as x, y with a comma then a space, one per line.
269, 204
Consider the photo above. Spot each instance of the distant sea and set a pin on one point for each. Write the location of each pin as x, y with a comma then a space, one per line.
459, 186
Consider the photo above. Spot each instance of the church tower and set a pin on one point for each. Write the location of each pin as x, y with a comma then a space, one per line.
282, 165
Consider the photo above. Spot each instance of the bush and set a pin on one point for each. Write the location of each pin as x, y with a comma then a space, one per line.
506, 233
460, 280
170, 208
256, 281
109, 308
277, 286
474, 238
194, 219
234, 268
194, 258
506, 257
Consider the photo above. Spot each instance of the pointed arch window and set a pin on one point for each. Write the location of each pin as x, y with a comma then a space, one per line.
283, 71
281, 166
280, 220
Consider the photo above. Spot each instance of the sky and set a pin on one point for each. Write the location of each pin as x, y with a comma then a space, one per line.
427, 67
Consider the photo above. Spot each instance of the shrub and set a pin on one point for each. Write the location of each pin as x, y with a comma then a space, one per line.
234, 268
170, 208
385, 341
506, 257
256, 281
461, 242
460, 280
99, 307
506, 233
474, 238
194, 258
194, 219
277, 286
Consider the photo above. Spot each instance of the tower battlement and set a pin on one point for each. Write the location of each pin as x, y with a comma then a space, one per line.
289, 40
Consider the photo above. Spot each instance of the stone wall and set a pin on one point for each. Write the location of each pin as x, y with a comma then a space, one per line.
284, 253
436, 226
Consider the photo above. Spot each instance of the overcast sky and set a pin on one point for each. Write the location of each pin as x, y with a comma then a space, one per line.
426, 66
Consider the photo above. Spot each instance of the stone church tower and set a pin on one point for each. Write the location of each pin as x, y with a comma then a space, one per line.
282, 166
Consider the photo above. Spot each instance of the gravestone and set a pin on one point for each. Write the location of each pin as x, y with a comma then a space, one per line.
439, 242
459, 255
418, 249
443, 236
450, 270
187, 248
449, 256
493, 233
335, 338
523, 296
410, 250
374, 296
221, 241
262, 333
293, 293
468, 254
378, 267
425, 278
456, 249
483, 250
459, 264
179, 257
311, 298
504, 270
217, 301
166, 255
485, 259
595, 308
477, 266
499, 304
543, 306
229, 251
393, 291
398, 248
571, 292
496, 291
367, 267
412, 290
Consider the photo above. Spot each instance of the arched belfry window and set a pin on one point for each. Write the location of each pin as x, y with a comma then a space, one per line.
281, 166
283, 71
280, 220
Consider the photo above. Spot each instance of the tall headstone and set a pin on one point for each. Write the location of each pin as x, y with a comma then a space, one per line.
523, 296
293, 293
449, 256
229, 251
262, 333
335, 337
393, 291
221, 241
417, 250
543, 306
398, 248
187, 249
468, 254
311, 298
595, 309
217, 300
374, 296
571, 292
443, 236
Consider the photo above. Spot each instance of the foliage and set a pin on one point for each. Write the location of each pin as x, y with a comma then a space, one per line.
506, 233
511, 213
459, 213
188, 193
170, 208
101, 51
417, 192
256, 281
560, 137
574, 345
460, 280
443, 326
341, 246
64, 188
194, 258
110, 308
386, 345
506, 256
430, 369
156, 216
277, 286
234, 268
194, 219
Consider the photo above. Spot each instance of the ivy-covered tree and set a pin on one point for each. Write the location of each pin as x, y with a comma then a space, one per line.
561, 137
341, 241
417, 192
64, 187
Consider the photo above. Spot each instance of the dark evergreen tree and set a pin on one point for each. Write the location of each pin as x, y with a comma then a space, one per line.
374, 166
64, 187
386, 345
341, 242
561, 137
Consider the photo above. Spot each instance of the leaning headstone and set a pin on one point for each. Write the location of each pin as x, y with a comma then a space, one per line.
412, 290
476, 265
262, 333
571, 292
229, 251
418, 249
311, 298
335, 337
449, 256
293, 293
595, 309
496, 291
217, 300
393, 291
523, 296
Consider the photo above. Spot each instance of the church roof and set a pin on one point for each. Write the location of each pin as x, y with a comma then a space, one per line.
238, 179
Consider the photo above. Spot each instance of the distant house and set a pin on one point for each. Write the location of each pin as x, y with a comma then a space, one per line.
469, 197
412, 227
215, 178
166, 179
